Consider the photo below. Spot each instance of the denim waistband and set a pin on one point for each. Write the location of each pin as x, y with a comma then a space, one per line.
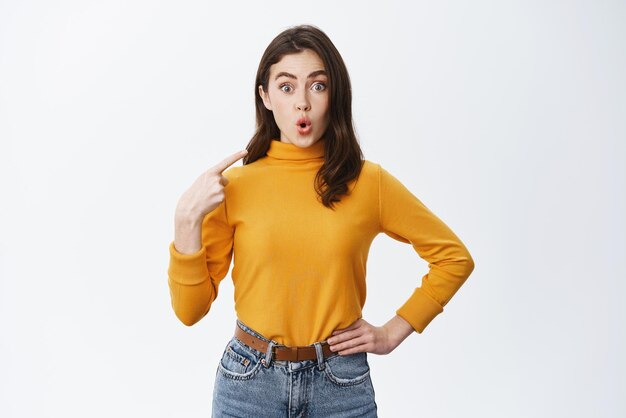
274, 343
260, 336
256, 334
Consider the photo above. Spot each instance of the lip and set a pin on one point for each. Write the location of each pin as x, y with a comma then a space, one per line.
304, 131
304, 120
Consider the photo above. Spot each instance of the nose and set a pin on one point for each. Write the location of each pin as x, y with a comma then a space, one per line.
302, 102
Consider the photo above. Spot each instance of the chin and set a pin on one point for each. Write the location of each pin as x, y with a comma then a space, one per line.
305, 143
302, 141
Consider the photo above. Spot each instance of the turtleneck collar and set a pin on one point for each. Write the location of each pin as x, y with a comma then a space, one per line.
287, 151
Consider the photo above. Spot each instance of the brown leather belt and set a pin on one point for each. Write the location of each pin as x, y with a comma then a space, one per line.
284, 352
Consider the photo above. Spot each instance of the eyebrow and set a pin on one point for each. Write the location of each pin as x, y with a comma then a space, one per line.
313, 74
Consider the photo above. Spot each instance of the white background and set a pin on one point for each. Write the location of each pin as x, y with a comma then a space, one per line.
506, 118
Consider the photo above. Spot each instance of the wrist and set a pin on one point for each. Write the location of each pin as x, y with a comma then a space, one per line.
398, 329
186, 218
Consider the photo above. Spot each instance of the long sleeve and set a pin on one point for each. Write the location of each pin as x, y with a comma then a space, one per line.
194, 279
405, 218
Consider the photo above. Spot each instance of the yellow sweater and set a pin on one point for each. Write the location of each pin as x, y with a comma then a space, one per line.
299, 267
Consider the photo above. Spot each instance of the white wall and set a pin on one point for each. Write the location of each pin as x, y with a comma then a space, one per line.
506, 118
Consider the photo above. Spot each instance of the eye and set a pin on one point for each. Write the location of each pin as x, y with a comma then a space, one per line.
284, 85
323, 85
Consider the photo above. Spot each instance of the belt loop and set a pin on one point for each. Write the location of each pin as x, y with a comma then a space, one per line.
320, 356
268, 355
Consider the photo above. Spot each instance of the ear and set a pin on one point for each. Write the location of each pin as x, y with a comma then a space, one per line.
265, 97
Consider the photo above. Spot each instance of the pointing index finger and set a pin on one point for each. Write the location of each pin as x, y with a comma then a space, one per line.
230, 160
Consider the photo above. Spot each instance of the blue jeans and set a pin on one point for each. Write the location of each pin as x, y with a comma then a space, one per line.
250, 383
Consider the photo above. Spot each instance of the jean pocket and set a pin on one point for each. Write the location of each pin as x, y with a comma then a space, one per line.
347, 370
238, 362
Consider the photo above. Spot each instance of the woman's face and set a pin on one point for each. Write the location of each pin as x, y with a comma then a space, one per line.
298, 95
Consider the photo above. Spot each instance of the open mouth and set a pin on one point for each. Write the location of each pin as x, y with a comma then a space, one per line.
304, 126
303, 122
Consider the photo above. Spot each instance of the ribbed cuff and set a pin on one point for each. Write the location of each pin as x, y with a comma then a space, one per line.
419, 310
188, 269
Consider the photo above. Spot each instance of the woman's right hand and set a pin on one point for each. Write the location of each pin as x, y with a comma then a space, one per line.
207, 192
204, 195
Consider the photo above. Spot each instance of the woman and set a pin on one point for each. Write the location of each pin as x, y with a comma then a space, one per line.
300, 215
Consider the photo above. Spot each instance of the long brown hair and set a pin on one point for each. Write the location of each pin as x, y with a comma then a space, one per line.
343, 157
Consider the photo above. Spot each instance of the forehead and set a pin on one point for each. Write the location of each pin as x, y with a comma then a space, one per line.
299, 64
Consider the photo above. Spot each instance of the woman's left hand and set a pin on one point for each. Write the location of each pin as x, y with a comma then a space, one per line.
363, 336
